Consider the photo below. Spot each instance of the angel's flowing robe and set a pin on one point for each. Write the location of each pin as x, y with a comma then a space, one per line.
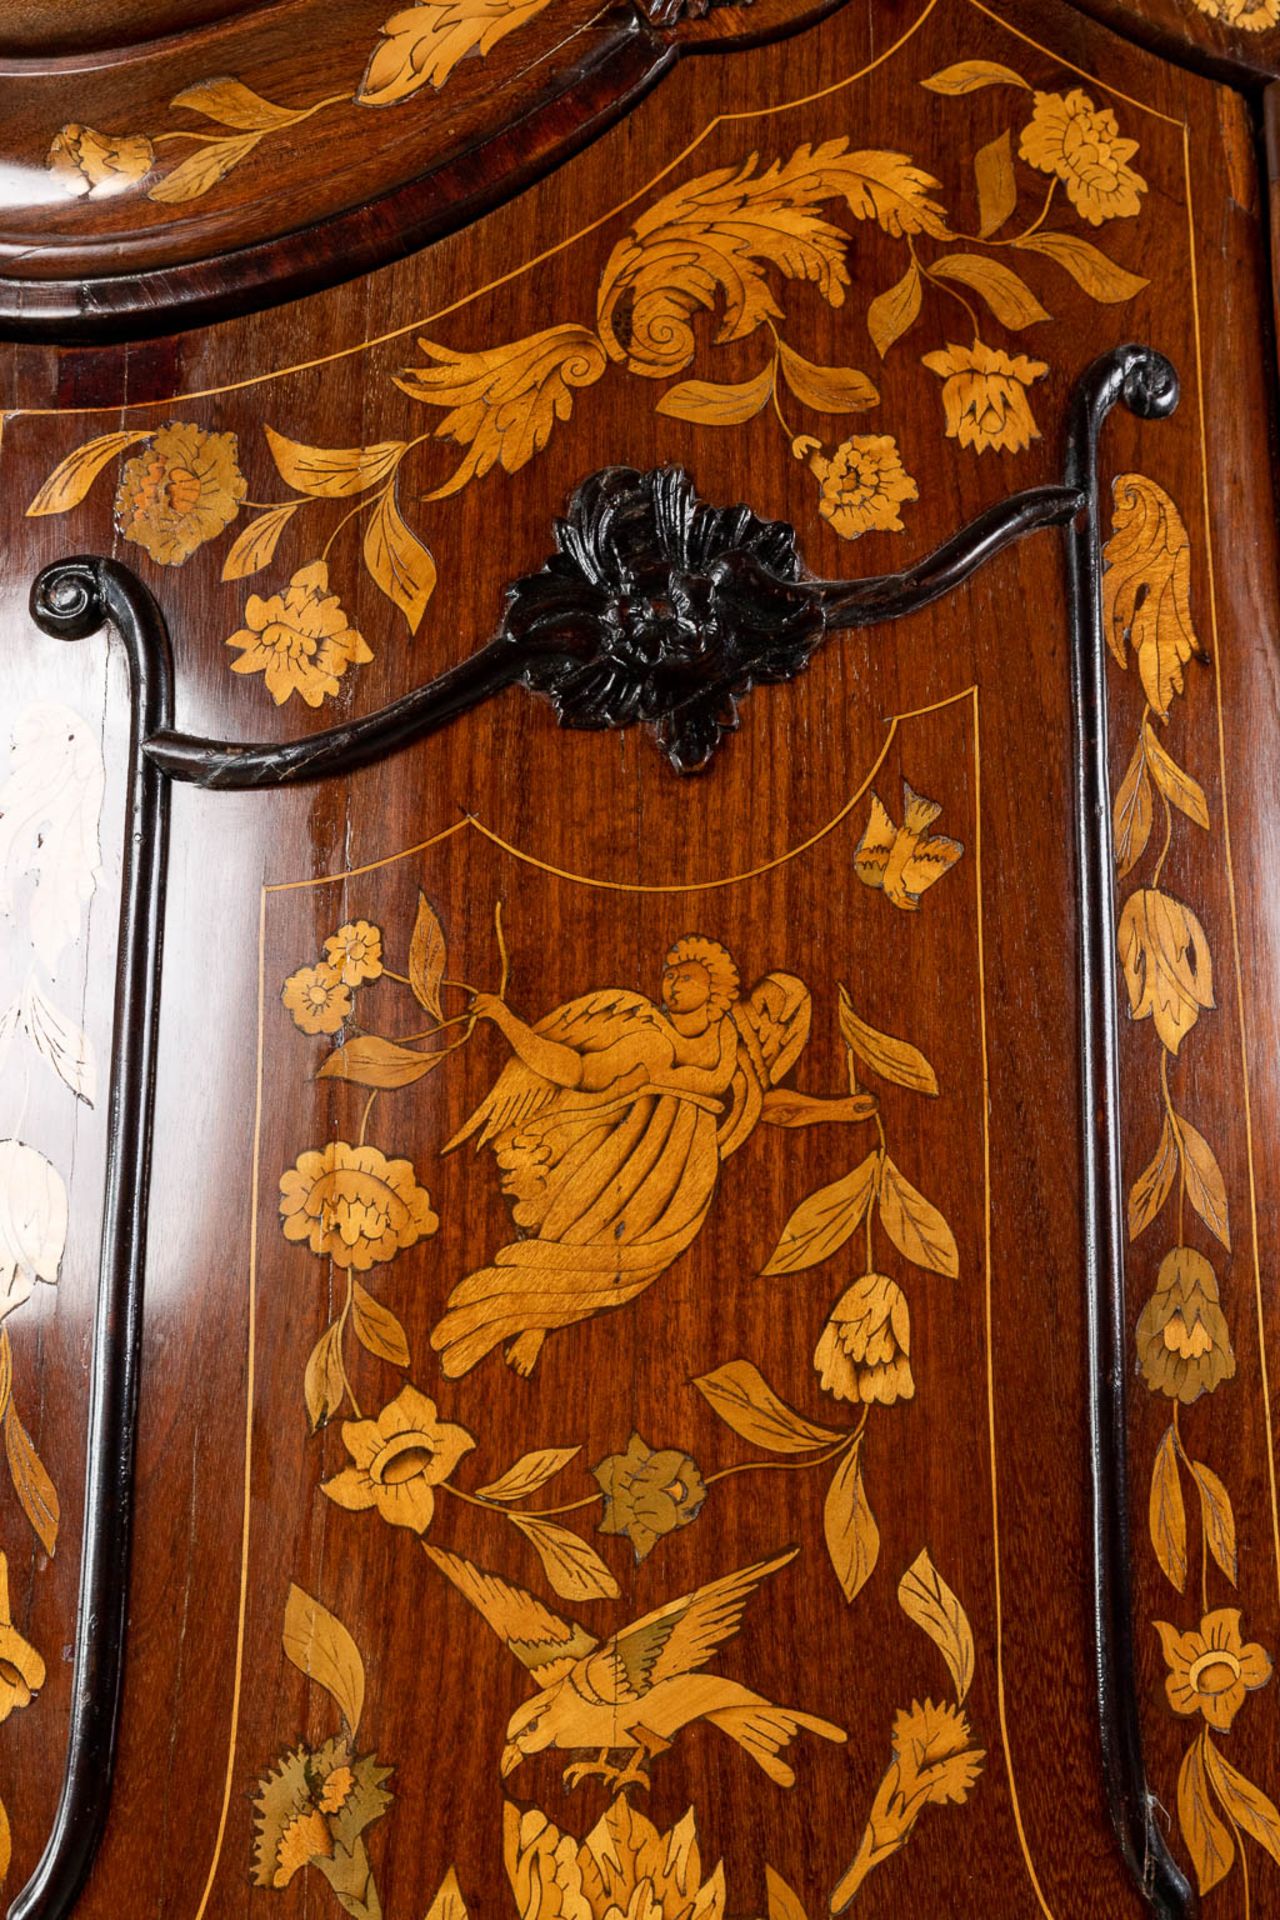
611, 1186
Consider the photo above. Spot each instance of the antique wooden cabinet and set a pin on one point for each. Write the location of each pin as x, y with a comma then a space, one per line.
639, 956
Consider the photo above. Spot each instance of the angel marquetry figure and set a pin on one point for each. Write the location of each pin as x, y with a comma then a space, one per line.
609, 1125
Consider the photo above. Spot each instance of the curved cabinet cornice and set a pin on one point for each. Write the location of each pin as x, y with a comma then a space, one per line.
188, 178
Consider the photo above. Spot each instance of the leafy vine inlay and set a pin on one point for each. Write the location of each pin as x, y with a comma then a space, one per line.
1183, 1338
863, 1355
314, 1806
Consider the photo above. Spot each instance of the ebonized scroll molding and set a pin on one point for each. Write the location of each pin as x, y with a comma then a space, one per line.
69, 602
655, 608
1148, 386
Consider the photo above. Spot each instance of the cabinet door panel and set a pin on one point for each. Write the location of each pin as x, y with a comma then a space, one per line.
625, 1303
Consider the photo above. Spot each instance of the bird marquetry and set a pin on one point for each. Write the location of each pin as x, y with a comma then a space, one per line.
904, 861
605, 1157
636, 1691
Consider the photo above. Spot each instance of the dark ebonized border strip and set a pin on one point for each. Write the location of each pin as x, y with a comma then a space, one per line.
724, 604
71, 601
1148, 385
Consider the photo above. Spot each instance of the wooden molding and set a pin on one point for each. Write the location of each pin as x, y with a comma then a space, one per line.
187, 178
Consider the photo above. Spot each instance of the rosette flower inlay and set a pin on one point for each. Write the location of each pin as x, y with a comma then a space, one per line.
182, 489
862, 485
317, 997
299, 640
1082, 144
649, 1492
354, 1206
355, 952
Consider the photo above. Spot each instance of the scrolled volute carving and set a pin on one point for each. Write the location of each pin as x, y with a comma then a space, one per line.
656, 609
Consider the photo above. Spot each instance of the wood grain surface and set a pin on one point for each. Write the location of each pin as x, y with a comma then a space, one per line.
1238, 43
27, 28
329, 500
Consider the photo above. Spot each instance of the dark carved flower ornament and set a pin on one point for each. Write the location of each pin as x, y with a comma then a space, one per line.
656, 607
669, 13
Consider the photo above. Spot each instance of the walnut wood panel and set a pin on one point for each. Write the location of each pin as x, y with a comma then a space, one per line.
270, 1535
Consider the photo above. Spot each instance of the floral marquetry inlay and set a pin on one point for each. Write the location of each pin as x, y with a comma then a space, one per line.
664, 1484
184, 488
742, 246
1247, 16
418, 47
596, 1131
315, 1804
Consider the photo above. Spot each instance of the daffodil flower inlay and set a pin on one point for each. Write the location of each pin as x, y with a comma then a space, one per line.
399, 1460
1211, 1668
